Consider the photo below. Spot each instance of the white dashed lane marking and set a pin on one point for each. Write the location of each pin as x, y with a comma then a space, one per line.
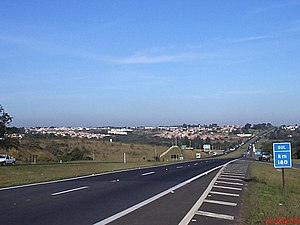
68, 191
149, 173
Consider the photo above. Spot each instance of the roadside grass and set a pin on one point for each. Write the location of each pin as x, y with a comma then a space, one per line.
265, 200
296, 161
259, 144
55, 149
27, 174
18, 175
109, 157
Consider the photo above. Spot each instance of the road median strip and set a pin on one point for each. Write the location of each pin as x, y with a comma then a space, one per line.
230, 176
230, 188
220, 202
232, 179
215, 215
224, 193
231, 183
148, 201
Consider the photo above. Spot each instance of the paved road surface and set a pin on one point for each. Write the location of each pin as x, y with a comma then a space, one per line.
92, 199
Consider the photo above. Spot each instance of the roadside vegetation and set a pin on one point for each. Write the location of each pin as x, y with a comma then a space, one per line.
108, 157
282, 134
266, 201
63, 157
236, 153
56, 150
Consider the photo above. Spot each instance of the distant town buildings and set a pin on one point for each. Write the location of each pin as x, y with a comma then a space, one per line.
203, 132
78, 132
191, 132
244, 135
172, 132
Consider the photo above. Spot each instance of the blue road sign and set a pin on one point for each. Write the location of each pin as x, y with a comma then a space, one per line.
282, 155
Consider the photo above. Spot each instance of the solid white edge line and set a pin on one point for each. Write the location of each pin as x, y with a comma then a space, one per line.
188, 217
68, 191
141, 204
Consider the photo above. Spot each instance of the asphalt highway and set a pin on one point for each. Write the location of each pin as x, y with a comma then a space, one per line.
101, 198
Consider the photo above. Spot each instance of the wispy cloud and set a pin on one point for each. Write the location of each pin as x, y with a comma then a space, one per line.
252, 92
51, 48
15, 40
251, 38
235, 61
232, 93
263, 9
294, 27
246, 92
153, 56
152, 59
205, 96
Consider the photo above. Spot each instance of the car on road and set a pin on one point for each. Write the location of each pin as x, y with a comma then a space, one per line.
6, 160
265, 156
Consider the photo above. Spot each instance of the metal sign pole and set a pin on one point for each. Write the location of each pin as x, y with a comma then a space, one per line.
282, 178
282, 153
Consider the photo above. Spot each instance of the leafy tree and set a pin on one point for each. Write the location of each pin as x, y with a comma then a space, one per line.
5, 119
247, 126
262, 126
77, 154
207, 141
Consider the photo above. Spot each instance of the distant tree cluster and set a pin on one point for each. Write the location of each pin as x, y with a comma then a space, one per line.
142, 138
262, 126
284, 135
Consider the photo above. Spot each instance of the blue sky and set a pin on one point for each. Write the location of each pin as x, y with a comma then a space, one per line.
152, 62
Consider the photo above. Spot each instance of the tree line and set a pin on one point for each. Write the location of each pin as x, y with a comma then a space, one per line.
5, 120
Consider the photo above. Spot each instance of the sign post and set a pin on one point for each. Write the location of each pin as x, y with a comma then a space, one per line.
282, 153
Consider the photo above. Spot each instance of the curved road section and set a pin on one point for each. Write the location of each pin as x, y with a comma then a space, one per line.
111, 197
